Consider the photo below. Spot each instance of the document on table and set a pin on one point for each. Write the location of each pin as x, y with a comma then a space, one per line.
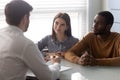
64, 68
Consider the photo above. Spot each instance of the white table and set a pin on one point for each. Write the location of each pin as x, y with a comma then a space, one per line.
78, 72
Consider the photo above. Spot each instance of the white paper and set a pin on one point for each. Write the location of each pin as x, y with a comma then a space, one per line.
78, 76
30, 73
64, 68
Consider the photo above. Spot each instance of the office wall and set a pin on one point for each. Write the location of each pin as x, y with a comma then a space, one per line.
98, 5
94, 6
114, 7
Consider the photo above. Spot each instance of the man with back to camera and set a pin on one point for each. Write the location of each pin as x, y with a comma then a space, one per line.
17, 53
102, 45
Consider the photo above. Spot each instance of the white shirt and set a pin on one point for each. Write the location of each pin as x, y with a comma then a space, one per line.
18, 54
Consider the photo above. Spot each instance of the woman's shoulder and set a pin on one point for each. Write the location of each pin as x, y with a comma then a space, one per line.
72, 38
47, 37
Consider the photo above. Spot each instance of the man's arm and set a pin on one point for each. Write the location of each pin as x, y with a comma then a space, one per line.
70, 56
74, 53
35, 61
108, 61
87, 59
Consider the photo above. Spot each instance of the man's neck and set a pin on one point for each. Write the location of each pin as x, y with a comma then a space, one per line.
104, 36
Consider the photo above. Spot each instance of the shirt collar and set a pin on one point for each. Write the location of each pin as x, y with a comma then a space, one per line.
16, 28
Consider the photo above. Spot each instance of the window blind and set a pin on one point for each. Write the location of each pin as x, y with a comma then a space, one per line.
45, 10
55, 5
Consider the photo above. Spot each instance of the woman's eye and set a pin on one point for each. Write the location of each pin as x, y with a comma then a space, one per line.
62, 24
56, 23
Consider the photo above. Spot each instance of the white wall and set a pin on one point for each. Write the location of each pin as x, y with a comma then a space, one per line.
105, 4
114, 7
98, 5
93, 7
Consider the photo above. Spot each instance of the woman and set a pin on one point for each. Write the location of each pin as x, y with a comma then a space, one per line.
61, 38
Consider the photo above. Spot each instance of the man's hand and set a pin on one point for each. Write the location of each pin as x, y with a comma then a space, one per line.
86, 59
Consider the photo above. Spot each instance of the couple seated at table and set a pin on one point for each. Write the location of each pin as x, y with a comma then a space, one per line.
100, 47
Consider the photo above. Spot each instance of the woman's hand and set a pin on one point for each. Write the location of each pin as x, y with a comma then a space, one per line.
61, 54
48, 55
55, 59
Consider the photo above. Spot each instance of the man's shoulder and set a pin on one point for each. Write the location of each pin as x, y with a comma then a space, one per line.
90, 34
115, 35
24, 40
